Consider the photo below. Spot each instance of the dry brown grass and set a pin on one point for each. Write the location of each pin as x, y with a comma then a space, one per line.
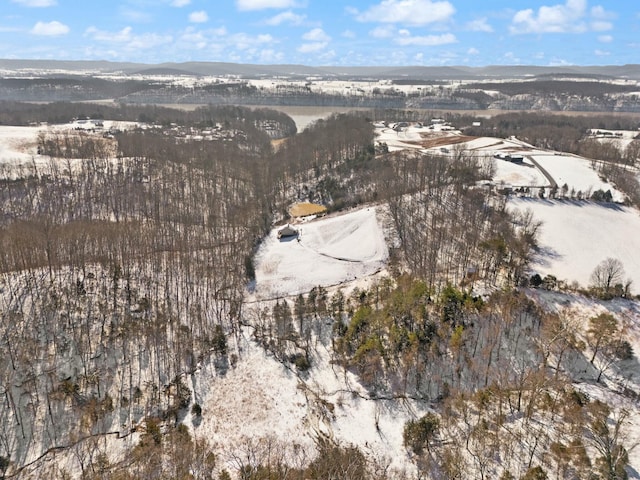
437, 141
306, 208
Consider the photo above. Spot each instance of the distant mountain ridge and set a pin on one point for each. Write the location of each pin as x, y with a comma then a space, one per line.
631, 71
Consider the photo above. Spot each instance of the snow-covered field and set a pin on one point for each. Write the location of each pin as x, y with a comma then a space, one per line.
397, 140
620, 138
577, 235
329, 251
18, 145
576, 172
519, 175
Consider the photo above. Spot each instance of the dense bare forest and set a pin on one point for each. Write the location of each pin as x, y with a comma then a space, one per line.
125, 263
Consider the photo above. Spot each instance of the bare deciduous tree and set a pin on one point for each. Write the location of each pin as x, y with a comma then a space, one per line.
606, 275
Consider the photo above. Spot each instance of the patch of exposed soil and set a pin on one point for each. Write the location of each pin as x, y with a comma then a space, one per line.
441, 140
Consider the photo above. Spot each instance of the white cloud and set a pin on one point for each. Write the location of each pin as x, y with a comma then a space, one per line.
128, 39
264, 4
605, 38
386, 31
193, 39
601, 53
312, 47
479, 25
473, 51
598, 12
198, 17
135, 16
51, 29
425, 41
570, 17
328, 56
180, 3
270, 56
510, 57
122, 36
36, 3
316, 35
602, 20
243, 41
567, 17
317, 40
348, 34
410, 12
286, 17
601, 26
219, 42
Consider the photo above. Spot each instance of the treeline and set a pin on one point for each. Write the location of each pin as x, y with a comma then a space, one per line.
451, 231
331, 162
68, 88
564, 133
554, 87
17, 113
116, 271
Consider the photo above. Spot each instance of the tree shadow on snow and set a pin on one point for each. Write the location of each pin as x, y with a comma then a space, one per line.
545, 255
552, 202
632, 472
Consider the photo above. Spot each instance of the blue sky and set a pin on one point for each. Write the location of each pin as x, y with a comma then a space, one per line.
325, 32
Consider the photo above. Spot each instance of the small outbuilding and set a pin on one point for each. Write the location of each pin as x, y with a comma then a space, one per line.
287, 231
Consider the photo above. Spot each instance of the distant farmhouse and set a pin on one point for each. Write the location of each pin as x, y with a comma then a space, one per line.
510, 157
287, 231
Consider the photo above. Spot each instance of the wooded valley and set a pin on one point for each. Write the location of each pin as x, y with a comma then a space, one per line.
126, 259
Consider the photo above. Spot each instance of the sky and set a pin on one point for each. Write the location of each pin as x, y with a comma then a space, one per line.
325, 32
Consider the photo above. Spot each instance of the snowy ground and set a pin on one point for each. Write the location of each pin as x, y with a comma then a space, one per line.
262, 395
625, 373
576, 172
620, 138
19, 145
330, 251
524, 174
396, 140
577, 235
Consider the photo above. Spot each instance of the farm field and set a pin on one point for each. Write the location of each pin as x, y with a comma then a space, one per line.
328, 251
576, 173
577, 235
